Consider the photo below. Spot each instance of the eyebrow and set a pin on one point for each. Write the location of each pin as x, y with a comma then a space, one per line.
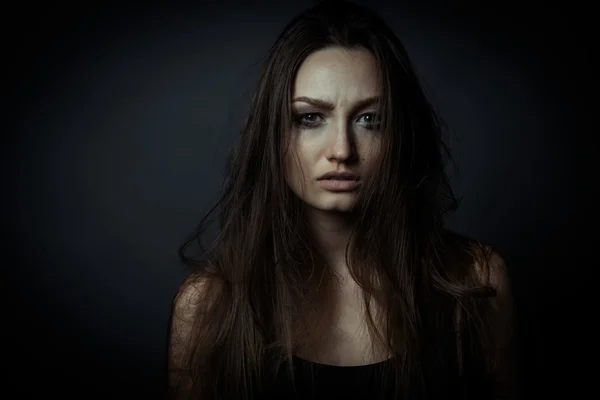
325, 105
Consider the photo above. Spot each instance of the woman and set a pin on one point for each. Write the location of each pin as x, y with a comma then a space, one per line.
333, 275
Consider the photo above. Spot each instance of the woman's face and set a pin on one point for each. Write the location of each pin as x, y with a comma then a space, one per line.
334, 103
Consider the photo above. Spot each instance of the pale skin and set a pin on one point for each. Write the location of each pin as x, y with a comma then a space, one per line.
341, 137
334, 97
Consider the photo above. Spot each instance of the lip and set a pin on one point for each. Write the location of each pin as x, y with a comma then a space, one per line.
339, 185
339, 175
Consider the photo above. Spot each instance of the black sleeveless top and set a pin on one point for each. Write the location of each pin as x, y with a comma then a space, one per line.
313, 381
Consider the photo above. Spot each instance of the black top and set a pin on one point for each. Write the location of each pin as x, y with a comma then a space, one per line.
315, 381
319, 381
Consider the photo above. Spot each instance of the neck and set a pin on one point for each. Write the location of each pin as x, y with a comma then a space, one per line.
331, 232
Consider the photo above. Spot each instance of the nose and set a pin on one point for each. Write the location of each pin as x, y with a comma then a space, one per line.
341, 146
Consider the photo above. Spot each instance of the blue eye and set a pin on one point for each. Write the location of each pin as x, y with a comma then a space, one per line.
373, 122
307, 120
312, 120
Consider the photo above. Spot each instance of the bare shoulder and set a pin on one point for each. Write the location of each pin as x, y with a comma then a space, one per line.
192, 300
192, 294
490, 269
487, 266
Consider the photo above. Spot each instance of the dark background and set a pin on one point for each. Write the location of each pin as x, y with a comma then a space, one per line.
118, 120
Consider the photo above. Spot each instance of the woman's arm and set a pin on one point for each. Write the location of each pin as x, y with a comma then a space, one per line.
184, 319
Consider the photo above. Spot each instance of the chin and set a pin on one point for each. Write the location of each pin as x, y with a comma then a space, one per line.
340, 204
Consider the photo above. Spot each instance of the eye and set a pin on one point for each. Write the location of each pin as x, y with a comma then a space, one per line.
307, 120
371, 120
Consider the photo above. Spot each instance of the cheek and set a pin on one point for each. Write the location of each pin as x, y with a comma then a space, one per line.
289, 158
297, 159
289, 168
293, 171
371, 164
371, 154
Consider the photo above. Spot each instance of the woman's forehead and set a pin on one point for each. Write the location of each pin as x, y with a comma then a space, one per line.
337, 76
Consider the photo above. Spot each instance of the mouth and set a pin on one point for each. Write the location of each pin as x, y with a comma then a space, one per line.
334, 175
339, 184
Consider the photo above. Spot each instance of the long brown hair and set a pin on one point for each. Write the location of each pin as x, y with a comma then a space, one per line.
262, 266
